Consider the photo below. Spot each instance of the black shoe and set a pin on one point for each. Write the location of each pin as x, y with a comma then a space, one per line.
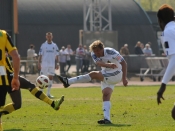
64, 80
104, 121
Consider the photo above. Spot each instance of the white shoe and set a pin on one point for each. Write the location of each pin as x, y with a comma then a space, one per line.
50, 96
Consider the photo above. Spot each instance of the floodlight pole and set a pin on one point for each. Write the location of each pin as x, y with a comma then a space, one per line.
93, 15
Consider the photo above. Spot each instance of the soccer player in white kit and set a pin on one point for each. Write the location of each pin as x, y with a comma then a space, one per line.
114, 69
166, 21
48, 55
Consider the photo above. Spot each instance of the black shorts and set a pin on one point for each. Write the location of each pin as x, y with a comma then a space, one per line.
24, 84
4, 89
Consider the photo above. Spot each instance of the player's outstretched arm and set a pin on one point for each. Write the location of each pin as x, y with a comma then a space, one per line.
124, 70
107, 65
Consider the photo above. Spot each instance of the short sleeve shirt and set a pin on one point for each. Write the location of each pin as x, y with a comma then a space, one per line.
6, 45
48, 53
168, 38
110, 56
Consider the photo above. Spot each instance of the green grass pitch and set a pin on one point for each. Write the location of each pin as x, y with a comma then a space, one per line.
134, 108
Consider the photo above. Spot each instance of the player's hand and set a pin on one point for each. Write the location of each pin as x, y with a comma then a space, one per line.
125, 82
112, 65
39, 66
160, 94
15, 84
57, 67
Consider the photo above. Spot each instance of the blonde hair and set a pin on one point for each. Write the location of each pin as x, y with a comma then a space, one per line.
96, 44
49, 33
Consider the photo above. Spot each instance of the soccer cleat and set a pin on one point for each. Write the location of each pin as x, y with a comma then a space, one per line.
58, 103
1, 128
64, 80
104, 121
50, 96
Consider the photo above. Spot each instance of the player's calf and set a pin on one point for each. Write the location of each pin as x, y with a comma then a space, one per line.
173, 112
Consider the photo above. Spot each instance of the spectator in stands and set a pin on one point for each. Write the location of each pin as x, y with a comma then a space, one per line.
30, 58
69, 52
147, 50
149, 44
86, 60
80, 53
62, 58
138, 49
124, 50
142, 46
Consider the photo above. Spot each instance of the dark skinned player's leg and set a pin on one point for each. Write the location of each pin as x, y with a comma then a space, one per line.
15, 96
7, 109
25, 84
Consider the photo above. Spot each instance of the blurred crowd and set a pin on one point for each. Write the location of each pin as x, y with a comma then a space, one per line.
139, 49
81, 54
82, 57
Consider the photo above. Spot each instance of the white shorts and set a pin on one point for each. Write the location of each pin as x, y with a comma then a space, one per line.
47, 71
111, 79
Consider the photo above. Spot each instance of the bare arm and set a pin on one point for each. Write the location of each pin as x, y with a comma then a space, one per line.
16, 66
57, 59
16, 63
124, 70
39, 61
107, 65
57, 62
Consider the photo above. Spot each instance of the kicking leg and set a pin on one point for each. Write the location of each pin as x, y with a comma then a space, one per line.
81, 78
25, 84
42, 96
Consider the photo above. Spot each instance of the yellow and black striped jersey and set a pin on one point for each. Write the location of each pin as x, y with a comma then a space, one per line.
9, 70
6, 45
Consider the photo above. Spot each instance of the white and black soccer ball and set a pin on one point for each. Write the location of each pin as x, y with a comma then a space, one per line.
42, 82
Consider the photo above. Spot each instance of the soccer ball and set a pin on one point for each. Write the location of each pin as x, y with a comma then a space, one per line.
42, 81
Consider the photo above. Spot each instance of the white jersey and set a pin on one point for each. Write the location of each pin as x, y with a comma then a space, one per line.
110, 56
168, 38
48, 53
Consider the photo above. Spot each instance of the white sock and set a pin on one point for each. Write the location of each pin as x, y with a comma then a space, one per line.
106, 109
79, 79
49, 88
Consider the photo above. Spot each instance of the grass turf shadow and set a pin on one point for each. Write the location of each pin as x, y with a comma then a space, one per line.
116, 125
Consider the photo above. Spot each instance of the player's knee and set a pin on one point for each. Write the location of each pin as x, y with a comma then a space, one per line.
31, 86
173, 113
106, 96
94, 74
17, 105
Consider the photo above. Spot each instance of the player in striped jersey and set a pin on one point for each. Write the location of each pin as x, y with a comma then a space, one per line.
114, 69
25, 84
15, 94
7, 85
